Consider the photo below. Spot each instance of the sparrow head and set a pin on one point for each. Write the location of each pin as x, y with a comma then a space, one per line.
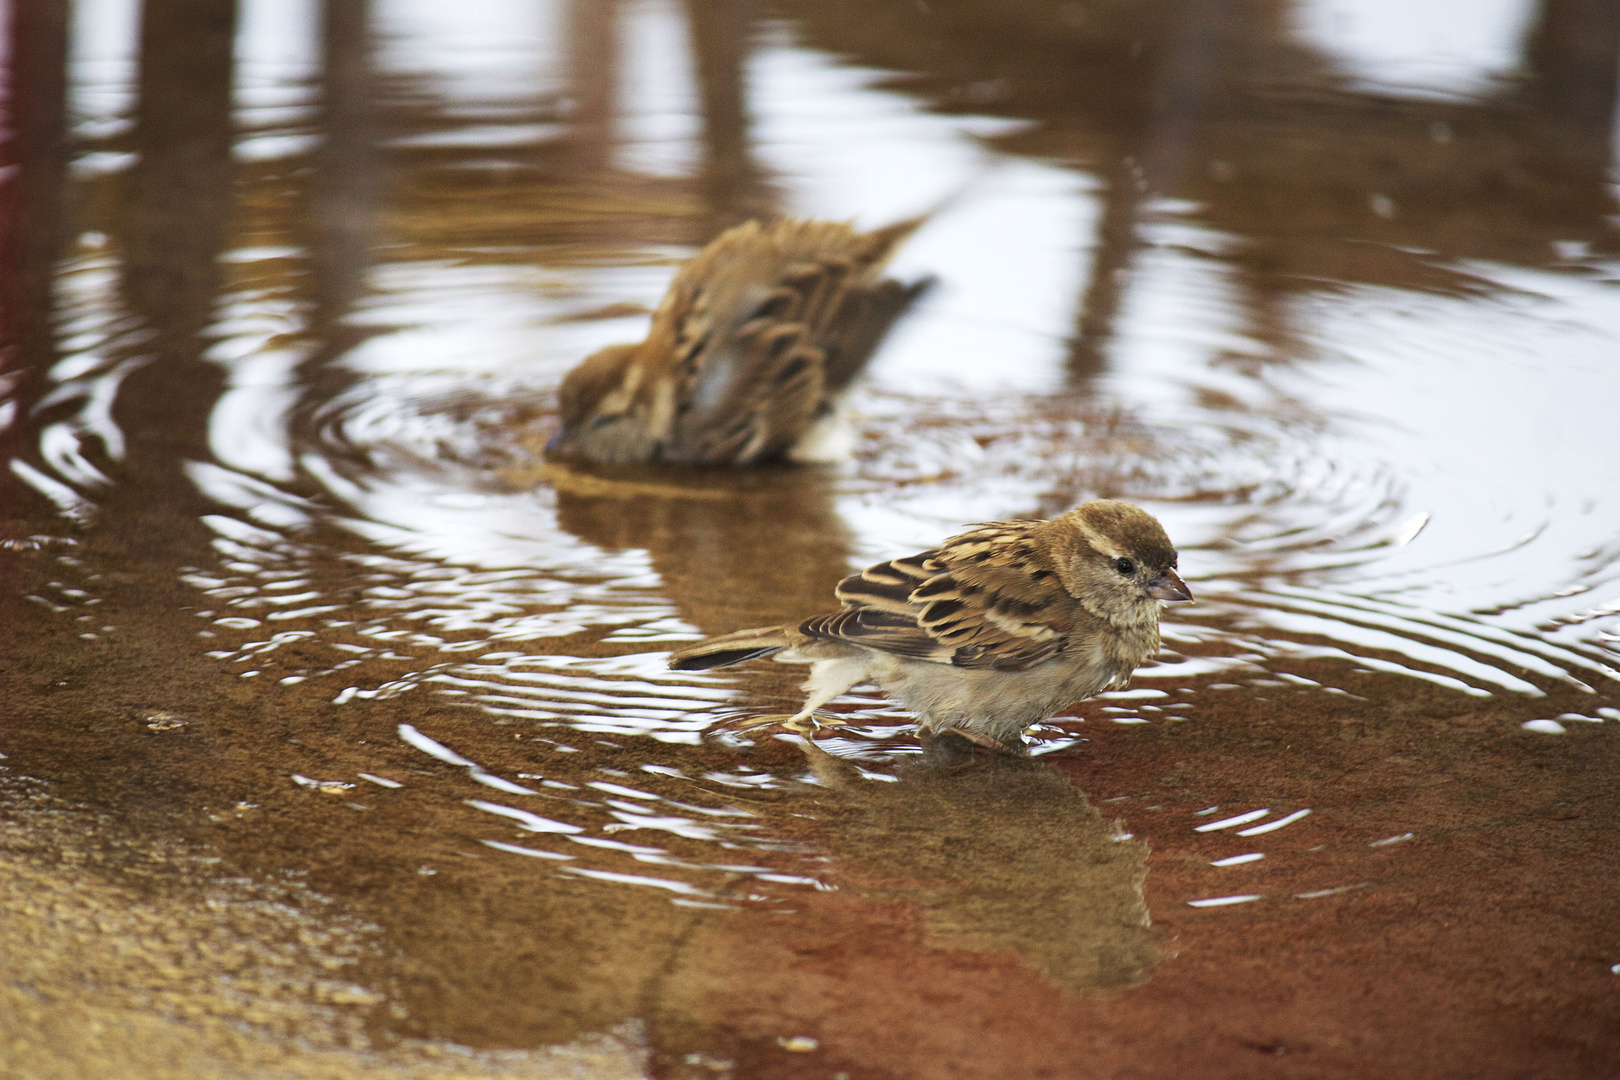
594, 406
1117, 560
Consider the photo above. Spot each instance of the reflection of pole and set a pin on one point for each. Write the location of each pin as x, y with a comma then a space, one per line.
1565, 141
1117, 241
720, 31
33, 196
1183, 79
1574, 58
176, 216
180, 183
1190, 61
592, 81
342, 189
342, 196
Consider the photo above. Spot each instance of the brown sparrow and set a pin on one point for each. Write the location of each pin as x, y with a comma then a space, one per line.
992, 631
750, 352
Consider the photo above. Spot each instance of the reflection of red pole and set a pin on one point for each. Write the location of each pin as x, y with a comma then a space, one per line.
343, 190
1573, 53
721, 31
34, 156
592, 81
174, 223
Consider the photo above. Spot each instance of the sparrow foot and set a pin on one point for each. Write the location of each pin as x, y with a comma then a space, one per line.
806, 724
803, 723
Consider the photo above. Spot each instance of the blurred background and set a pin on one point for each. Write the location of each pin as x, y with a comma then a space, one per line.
329, 699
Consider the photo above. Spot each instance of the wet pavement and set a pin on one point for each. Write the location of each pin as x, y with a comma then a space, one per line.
337, 734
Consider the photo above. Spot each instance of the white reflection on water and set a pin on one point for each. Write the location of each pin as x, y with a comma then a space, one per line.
477, 51
659, 106
434, 748
590, 824
1273, 826
102, 64
527, 821
1239, 819
1009, 244
1433, 49
417, 615
1222, 901
1492, 408
276, 64
672, 709
482, 321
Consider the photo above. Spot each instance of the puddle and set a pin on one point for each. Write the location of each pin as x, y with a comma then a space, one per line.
296, 612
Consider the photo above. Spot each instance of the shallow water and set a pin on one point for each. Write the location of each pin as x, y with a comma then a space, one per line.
339, 736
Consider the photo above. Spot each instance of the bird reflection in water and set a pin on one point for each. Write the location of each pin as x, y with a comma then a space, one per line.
729, 544
1001, 854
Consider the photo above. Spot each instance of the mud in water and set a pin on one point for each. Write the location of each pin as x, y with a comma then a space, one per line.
338, 738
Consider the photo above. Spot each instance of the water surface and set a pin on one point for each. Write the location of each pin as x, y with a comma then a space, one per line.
338, 726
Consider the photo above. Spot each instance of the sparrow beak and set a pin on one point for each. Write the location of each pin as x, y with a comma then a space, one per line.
560, 443
1169, 586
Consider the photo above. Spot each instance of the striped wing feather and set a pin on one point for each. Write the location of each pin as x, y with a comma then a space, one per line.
861, 324
773, 389
769, 323
987, 599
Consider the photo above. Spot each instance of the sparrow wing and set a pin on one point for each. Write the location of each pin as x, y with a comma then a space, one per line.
863, 320
986, 599
766, 325
770, 399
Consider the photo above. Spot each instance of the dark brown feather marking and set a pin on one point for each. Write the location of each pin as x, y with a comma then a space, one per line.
967, 604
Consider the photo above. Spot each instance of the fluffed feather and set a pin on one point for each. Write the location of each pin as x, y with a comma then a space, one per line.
752, 349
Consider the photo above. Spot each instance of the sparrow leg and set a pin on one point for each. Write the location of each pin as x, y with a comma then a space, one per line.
828, 679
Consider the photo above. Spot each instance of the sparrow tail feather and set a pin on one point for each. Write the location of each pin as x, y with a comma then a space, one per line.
730, 649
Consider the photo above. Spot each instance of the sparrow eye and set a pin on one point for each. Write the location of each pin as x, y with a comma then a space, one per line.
602, 420
1125, 566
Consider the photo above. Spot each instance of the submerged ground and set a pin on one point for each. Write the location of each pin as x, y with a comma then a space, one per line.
337, 737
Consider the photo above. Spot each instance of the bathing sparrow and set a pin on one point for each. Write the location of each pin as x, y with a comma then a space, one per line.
749, 355
990, 632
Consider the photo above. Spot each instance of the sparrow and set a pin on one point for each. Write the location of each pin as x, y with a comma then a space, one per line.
750, 352
994, 630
